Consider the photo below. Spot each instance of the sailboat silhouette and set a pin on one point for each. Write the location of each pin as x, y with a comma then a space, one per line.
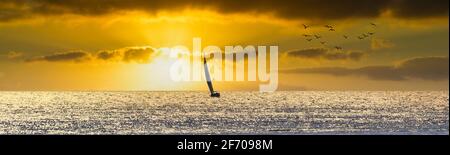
208, 80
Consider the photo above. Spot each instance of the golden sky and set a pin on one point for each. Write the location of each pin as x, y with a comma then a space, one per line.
112, 44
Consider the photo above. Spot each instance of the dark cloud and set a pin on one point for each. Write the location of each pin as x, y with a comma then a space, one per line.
129, 54
426, 68
419, 8
77, 56
140, 55
133, 54
108, 55
324, 53
315, 9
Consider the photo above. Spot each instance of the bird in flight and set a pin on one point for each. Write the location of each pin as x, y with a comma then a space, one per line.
360, 38
305, 26
370, 33
323, 42
307, 35
329, 26
345, 36
332, 29
317, 36
373, 24
338, 47
309, 39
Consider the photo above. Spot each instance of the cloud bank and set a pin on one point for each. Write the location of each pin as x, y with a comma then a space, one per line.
324, 53
426, 68
76, 56
127, 55
289, 9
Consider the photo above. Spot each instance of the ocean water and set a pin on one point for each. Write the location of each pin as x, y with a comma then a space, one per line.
284, 112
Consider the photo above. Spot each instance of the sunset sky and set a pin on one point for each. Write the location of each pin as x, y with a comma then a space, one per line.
112, 44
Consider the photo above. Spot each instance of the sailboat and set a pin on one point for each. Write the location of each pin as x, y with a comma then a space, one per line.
208, 80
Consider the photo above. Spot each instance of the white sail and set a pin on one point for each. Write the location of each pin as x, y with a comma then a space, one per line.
208, 76
209, 81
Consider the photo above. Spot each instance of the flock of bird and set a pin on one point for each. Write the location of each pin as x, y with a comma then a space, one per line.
311, 37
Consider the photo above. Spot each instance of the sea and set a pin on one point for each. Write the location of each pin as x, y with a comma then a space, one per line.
235, 112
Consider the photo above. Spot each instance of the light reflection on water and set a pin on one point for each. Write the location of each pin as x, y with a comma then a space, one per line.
288, 112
